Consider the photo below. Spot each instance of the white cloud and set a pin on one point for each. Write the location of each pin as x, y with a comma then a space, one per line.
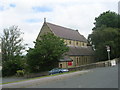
75, 14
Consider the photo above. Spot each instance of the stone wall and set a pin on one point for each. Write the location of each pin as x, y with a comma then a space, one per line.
94, 65
82, 67
77, 61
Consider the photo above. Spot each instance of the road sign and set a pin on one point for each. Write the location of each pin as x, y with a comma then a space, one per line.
113, 63
108, 48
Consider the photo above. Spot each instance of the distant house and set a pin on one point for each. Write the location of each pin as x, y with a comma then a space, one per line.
79, 53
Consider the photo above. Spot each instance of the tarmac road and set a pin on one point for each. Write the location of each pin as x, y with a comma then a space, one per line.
105, 77
44, 80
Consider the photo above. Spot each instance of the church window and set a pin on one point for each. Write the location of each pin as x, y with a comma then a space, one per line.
82, 44
76, 43
69, 42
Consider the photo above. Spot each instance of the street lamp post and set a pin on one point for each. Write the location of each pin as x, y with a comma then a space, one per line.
108, 50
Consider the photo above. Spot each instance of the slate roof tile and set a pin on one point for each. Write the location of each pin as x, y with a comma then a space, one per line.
66, 32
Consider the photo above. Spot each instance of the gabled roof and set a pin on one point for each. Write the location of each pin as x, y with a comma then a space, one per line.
80, 51
77, 51
65, 58
66, 33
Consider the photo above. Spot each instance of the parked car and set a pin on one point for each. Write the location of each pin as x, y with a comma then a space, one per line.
57, 70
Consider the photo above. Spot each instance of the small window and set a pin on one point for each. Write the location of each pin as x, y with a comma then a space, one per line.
85, 59
76, 43
82, 44
77, 58
77, 61
60, 65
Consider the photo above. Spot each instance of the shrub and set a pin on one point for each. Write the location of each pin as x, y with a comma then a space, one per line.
10, 67
20, 73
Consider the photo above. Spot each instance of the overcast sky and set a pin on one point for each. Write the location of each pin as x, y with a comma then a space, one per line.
28, 15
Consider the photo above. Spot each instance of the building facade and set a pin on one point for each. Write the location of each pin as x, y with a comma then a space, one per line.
79, 53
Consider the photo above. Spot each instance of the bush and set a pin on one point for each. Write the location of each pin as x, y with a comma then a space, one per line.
20, 73
10, 67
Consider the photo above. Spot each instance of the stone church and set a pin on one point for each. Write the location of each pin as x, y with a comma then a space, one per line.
79, 52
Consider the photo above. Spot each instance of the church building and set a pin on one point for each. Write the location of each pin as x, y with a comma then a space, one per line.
79, 52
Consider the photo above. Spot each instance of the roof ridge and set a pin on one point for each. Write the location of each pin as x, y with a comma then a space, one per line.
63, 27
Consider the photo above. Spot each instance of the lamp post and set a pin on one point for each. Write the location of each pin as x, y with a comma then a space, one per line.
108, 50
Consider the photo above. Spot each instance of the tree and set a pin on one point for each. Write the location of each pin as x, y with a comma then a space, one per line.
105, 37
106, 32
46, 53
108, 19
11, 50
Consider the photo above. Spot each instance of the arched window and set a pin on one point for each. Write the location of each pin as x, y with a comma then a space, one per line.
76, 43
83, 44
77, 61
69, 42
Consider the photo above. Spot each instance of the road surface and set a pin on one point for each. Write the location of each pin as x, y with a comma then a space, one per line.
105, 77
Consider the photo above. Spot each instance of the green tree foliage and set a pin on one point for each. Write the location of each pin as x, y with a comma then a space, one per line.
10, 67
108, 19
102, 38
106, 32
46, 53
11, 50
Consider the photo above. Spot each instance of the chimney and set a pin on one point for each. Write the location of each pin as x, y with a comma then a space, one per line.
76, 30
44, 19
